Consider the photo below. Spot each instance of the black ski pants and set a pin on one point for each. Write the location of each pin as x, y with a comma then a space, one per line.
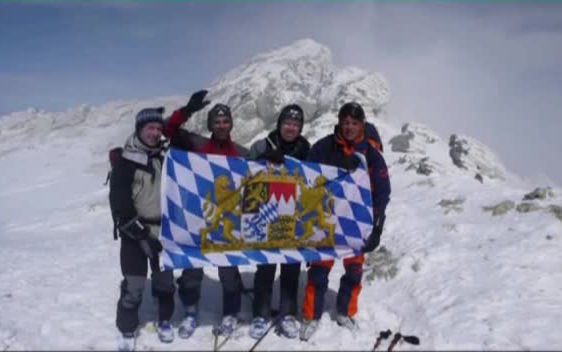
189, 288
263, 288
134, 267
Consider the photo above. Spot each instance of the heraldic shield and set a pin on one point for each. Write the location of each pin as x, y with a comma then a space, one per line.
274, 208
223, 211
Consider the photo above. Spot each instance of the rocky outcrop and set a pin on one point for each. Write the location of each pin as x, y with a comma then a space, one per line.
500, 208
421, 166
527, 207
301, 73
556, 210
450, 205
539, 193
414, 138
424, 152
473, 156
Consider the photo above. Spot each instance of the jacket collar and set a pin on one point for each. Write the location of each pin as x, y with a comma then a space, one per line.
138, 152
347, 146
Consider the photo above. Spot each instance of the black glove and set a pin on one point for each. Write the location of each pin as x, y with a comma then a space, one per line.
351, 162
375, 237
151, 247
134, 230
137, 231
195, 103
274, 155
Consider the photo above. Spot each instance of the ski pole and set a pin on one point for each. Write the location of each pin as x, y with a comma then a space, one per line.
383, 335
394, 341
216, 339
411, 339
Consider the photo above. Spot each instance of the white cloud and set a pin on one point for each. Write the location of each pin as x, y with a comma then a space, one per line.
491, 70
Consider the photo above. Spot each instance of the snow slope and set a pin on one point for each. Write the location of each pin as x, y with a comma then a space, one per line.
447, 271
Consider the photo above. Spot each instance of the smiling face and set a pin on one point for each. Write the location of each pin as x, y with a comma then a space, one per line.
151, 133
221, 127
290, 130
350, 128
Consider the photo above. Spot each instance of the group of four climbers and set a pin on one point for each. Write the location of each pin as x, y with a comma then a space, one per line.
135, 204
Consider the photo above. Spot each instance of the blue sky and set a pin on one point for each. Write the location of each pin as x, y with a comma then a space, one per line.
487, 69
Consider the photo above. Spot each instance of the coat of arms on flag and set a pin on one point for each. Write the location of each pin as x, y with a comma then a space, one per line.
220, 210
275, 209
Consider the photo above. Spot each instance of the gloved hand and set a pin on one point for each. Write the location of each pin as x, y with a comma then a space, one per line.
134, 229
375, 237
372, 242
351, 162
195, 103
274, 155
151, 247
180, 116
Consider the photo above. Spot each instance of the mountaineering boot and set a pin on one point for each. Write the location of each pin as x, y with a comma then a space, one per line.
227, 325
126, 342
308, 328
258, 327
189, 323
188, 326
289, 327
165, 331
346, 322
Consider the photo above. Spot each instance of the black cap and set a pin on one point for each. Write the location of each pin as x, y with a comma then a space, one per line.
353, 110
292, 111
217, 111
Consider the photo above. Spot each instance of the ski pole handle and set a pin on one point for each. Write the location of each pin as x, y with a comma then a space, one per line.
383, 335
413, 340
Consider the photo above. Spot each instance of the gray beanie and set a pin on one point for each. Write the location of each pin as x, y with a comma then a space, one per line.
149, 115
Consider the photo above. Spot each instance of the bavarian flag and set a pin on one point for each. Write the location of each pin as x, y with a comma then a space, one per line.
229, 211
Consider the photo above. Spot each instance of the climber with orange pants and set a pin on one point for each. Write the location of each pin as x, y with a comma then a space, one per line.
338, 149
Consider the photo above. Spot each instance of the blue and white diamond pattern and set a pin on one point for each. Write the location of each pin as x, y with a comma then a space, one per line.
190, 177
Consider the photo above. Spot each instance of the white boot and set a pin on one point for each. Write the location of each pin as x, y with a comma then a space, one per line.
258, 328
346, 322
126, 342
289, 327
227, 326
165, 331
308, 328
188, 326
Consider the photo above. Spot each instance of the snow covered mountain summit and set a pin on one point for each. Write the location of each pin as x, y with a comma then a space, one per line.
469, 259
302, 72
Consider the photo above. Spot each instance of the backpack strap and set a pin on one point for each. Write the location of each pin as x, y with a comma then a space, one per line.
114, 155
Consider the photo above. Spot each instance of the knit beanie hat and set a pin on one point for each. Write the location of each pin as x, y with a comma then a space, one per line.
149, 115
219, 110
292, 111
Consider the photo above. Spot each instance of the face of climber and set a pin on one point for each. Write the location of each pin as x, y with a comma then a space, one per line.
350, 128
290, 130
151, 133
221, 127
